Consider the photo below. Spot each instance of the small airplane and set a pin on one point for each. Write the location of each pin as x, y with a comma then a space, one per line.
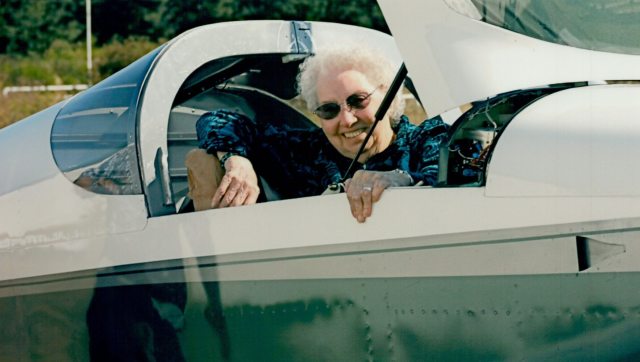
528, 248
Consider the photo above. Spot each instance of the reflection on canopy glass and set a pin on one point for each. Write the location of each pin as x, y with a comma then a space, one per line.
603, 25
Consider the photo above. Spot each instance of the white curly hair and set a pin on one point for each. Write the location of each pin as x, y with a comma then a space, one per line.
373, 65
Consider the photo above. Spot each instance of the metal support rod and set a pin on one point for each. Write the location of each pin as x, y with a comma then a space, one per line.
89, 41
382, 110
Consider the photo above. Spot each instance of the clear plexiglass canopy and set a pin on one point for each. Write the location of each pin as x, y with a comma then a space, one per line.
603, 25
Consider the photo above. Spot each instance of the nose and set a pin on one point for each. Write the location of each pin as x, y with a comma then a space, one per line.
346, 117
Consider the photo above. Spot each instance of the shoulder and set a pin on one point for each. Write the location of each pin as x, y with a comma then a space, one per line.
433, 124
220, 116
431, 127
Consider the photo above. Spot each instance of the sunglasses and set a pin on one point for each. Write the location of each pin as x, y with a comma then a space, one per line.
355, 101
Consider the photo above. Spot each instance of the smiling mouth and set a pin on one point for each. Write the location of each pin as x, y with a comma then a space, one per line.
355, 133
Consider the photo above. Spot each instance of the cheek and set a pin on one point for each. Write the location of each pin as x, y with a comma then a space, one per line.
329, 129
368, 116
383, 128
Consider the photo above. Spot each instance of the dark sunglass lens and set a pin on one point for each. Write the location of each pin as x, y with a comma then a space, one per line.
328, 111
358, 101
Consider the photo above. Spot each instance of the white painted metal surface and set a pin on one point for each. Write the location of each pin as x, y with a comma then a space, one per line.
582, 142
322, 225
18, 153
455, 60
41, 210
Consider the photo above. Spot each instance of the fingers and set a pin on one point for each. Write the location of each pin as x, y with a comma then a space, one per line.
356, 204
367, 203
376, 193
234, 192
239, 186
365, 189
252, 196
361, 201
246, 195
220, 192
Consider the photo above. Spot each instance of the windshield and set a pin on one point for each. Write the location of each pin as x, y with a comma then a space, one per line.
93, 136
603, 25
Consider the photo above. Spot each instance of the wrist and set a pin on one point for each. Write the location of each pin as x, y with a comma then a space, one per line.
224, 156
406, 175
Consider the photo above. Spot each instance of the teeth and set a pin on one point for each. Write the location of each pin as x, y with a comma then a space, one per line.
354, 133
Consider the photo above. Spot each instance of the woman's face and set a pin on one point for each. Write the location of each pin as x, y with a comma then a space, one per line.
348, 129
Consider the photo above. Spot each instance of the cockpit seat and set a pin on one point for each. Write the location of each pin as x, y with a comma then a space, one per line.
203, 175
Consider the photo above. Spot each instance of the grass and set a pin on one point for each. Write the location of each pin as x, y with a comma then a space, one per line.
16, 106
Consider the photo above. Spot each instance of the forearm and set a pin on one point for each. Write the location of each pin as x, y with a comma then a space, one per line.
225, 131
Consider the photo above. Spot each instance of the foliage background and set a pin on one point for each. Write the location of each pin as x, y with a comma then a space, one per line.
42, 42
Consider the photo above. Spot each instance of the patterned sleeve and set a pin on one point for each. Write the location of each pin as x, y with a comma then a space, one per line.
227, 131
284, 156
429, 135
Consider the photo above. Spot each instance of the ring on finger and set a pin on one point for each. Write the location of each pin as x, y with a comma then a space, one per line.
367, 188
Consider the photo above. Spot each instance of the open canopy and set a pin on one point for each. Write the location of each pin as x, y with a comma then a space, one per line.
455, 55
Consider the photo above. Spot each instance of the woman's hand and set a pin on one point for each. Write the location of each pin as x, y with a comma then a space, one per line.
366, 187
239, 185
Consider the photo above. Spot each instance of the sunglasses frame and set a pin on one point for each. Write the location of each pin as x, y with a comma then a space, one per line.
350, 106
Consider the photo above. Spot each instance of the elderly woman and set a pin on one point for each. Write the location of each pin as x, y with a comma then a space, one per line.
344, 88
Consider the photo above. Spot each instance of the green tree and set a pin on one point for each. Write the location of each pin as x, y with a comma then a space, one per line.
180, 15
67, 61
119, 19
31, 25
117, 54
